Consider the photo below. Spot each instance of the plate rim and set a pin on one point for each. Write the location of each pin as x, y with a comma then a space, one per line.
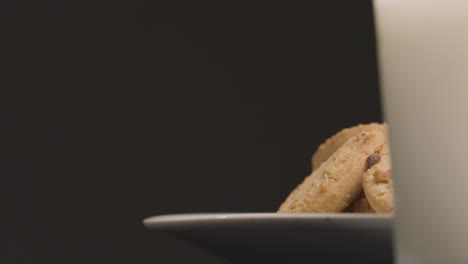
166, 221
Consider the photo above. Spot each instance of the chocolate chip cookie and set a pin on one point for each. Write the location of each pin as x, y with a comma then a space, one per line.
329, 147
337, 182
377, 180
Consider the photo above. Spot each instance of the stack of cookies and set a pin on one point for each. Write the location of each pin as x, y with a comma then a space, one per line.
351, 173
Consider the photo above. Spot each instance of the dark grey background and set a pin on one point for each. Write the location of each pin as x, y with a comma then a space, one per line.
115, 111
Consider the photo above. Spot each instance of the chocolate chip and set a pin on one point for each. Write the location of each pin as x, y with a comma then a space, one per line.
372, 159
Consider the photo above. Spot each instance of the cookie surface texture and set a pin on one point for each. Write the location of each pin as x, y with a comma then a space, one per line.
360, 205
378, 182
338, 181
326, 149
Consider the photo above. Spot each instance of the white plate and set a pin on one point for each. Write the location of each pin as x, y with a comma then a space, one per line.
283, 238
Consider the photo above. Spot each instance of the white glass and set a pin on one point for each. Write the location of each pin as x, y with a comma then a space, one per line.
423, 60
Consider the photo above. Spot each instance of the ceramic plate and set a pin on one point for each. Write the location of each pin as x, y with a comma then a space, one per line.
283, 238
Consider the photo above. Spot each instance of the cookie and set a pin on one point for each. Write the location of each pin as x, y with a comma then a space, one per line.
338, 181
361, 205
327, 148
377, 180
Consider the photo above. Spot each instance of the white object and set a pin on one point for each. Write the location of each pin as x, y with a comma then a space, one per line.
284, 238
423, 59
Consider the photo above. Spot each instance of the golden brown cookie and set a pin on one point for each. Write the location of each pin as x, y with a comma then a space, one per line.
377, 180
327, 148
360, 205
338, 181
